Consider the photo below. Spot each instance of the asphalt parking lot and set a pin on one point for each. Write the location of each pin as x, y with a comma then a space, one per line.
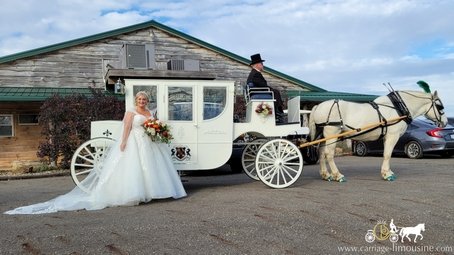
231, 214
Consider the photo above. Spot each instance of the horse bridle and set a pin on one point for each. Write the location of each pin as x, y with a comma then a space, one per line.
437, 106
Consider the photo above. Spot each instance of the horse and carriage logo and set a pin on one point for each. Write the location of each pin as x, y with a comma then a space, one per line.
382, 231
181, 153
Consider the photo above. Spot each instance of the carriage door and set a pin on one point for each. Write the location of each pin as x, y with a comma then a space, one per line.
180, 106
201, 116
215, 123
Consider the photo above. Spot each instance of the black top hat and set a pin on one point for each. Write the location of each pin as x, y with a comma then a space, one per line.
256, 59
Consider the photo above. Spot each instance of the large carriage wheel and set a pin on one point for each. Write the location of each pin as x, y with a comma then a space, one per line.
279, 163
88, 154
248, 158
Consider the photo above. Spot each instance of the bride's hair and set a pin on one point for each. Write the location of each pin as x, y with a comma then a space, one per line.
141, 93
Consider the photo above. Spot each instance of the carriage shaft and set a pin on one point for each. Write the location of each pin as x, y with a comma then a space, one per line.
354, 131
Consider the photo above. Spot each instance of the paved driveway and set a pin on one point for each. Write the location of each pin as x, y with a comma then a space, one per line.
231, 214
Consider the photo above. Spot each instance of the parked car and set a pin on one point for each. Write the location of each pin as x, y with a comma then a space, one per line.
451, 121
421, 137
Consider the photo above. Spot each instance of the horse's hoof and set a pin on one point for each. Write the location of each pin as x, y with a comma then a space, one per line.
391, 178
329, 178
342, 179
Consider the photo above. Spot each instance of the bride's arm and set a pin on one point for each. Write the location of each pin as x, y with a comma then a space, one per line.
127, 125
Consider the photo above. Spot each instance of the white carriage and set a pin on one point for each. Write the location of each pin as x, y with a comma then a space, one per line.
200, 113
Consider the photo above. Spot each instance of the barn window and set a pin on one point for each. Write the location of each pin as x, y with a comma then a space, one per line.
28, 119
6, 125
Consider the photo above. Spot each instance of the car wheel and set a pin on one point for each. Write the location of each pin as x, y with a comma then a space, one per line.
413, 150
360, 148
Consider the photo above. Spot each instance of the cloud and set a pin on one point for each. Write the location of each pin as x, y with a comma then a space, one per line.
350, 45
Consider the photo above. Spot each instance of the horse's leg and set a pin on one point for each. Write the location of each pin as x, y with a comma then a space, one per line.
407, 236
323, 169
416, 235
330, 151
390, 142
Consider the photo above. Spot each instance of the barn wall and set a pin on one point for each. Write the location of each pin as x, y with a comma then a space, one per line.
20, 149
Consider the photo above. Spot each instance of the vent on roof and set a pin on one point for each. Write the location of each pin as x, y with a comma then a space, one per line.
139, 56
183, 65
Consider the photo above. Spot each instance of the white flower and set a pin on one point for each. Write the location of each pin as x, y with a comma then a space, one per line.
151, 131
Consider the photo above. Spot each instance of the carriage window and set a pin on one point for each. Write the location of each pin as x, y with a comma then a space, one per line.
180, 103
6, 125
214, 99
152, 93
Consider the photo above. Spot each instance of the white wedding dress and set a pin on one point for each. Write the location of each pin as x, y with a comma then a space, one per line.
142, 172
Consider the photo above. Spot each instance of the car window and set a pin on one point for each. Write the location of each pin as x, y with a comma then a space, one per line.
412, 126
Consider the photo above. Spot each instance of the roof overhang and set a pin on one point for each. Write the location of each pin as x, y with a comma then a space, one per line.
113, 75
317, 97
39, 94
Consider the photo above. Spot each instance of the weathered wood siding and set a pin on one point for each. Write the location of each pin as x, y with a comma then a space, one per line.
85, 65
23, 146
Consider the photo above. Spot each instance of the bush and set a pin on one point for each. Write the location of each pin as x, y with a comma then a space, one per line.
66, 122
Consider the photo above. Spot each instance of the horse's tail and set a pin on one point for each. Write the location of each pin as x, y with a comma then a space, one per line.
312, 126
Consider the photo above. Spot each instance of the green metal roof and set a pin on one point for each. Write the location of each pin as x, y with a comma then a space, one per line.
307, 96
27, 94
156, 25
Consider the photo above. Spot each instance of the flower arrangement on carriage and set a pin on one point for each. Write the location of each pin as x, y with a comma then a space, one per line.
157, 130
264, 109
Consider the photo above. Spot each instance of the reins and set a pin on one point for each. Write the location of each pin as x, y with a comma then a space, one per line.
437, 109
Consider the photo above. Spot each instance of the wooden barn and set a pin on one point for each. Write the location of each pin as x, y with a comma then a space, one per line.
146, 50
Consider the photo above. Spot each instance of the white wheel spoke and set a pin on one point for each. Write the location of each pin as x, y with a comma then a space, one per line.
248, 158
90, 187
290, 159
282, 173
279, 163
287, 168
89, 152
86, 157
84, 172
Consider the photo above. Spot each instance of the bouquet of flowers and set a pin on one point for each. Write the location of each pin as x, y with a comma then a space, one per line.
157, 130
264, 109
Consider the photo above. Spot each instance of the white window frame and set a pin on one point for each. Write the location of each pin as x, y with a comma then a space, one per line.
12, 124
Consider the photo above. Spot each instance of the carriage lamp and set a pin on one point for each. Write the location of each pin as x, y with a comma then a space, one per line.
238, 89
119, 87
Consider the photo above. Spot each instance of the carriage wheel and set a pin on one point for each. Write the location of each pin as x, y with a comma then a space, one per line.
279, 163
88, 154
248, 158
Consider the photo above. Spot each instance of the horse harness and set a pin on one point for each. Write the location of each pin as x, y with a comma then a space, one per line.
398, 104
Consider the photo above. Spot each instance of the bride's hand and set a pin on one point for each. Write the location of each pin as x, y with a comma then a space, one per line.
122, 146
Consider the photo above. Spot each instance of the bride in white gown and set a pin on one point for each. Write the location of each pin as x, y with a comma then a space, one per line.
135, 170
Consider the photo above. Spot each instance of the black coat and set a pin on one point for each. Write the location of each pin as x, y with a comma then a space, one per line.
256, 78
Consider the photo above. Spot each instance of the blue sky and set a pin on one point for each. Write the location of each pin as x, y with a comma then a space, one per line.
348, 45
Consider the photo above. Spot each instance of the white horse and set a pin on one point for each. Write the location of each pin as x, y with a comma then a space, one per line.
405, 232
337, 116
